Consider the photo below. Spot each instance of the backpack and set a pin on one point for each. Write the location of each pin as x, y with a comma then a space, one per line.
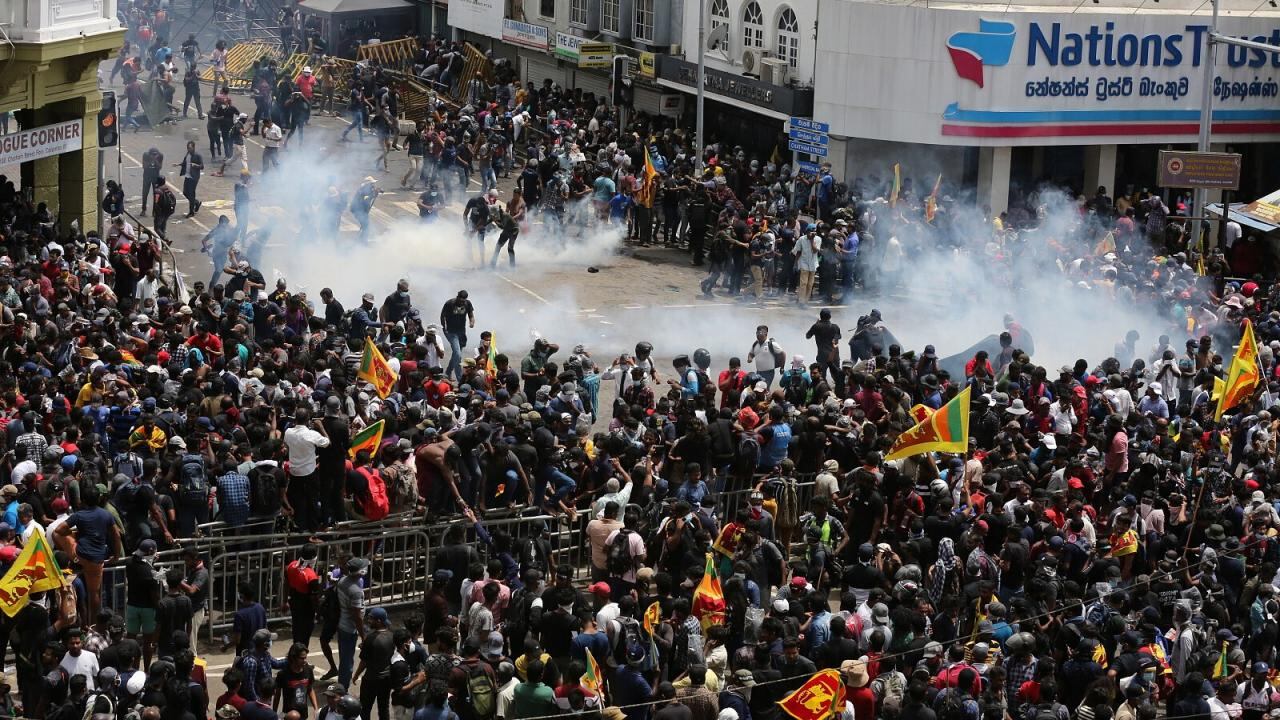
788, 516
166, 201
627, 638
377, 506
481, 693
952, 707
619, 560
128, 464
749, 449
705, 386
264, 491
403, 488
779, 356
193, 482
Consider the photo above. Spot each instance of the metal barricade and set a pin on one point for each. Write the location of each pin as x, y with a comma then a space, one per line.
398, 573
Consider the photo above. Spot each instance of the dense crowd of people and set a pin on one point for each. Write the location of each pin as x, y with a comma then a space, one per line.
1105, 547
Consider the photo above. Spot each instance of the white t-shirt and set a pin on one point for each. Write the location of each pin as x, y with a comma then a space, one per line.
1231, 233
86, 665
302, 442
762, 353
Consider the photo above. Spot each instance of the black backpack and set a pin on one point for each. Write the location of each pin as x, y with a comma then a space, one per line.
619, 560
166, 201
193, 481
264, 491
952, 707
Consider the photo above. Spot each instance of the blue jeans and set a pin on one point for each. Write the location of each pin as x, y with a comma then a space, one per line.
488, 179
767, 376
357, 124
454, 370
562, 484
346, 656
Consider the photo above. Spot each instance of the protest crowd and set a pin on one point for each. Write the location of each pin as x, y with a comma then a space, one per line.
858, 528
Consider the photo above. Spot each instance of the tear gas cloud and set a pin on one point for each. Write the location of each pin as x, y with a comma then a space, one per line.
949, 295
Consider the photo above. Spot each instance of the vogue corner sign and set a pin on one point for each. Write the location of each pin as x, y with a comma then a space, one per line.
41, 142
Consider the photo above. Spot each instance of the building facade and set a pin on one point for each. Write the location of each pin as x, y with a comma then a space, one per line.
997, 96
48, 75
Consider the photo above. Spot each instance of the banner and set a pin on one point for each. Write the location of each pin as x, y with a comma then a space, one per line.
478, 16
42, 142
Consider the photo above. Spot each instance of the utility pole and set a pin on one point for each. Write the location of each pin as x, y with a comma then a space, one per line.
702, 79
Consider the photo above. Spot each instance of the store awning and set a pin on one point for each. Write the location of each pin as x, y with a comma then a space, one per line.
1261, 214
350, 6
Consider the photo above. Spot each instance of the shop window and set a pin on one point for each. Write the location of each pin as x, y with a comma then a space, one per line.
752, 26
789, 37
610, 21
720, 19
644, 20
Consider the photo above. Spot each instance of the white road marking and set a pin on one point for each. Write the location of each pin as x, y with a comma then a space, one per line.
518, 286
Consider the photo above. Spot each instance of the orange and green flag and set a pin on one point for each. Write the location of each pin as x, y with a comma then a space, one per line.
648, 183
491, 360
897, 185
931, 202
375, 370
35, 570
1242, 377
367, 439
592, 679
708, 597
129, 358
946, 430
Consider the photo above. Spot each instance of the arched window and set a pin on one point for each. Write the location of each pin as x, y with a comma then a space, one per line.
752, 26
789, 37
719, 19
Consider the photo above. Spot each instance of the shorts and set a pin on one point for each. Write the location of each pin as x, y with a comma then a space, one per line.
139, 620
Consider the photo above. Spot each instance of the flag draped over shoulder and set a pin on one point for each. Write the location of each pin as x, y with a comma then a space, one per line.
946, 430
897, 185
648, 182
375, 370
367, 439
34, 571
708, 598
1242, 377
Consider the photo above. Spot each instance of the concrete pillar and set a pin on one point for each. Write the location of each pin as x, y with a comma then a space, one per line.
994, 164
1099, 169
41, 176
78, 171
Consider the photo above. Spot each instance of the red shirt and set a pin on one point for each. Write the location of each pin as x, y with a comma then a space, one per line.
210, 343
435, 392
863, 702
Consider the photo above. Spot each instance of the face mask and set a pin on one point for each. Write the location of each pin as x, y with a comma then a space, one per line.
1149, 676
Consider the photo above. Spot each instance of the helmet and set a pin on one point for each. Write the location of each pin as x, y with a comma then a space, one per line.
702, 358
349, 707
644, 348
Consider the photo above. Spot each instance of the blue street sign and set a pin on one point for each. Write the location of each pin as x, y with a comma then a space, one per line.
807, 124
808, 167
819, 150
808, 136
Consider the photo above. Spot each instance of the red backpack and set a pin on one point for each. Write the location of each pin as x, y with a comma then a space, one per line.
377, 506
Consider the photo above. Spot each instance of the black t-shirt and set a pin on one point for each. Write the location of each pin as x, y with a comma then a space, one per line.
173, 613
117, 654
825, 334
294, 689
455, 314
376, 653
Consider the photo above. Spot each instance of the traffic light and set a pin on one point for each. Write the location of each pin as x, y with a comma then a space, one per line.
620, 85
108, 128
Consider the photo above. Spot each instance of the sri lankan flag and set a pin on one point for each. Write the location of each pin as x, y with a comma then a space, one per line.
367, 439
1243, 376
129, 358
34, 571
592, 678
652, 617
491, 359
920, 412
708, 598
897, 185
375, 370
1220, 669
648, 183
931, 202
947, 430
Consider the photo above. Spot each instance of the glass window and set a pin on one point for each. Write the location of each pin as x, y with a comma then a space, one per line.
609, 21
578, 12
789, 37
644, 20
719, 19
547, 8
752, 26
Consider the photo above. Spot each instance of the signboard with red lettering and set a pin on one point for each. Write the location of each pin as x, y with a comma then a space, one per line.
41, 142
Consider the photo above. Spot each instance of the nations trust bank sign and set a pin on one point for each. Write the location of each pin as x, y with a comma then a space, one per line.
1024, 77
